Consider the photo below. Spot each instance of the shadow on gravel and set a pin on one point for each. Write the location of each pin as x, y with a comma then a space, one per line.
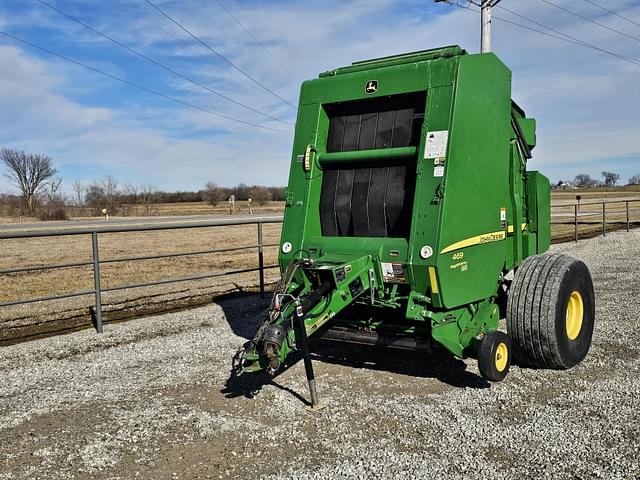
438, 364
249, 385
244, 311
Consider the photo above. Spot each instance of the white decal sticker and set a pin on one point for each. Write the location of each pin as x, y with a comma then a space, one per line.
387, 269
438, 167
392, 272
436, 144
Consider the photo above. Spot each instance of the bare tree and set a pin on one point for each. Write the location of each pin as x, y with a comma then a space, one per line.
52, 191
78, 193
28, 172
148, 197
127, 198
260, 195
213, 193
610, 178
111, 193
635, 180
54, 201
583, 180
95, 198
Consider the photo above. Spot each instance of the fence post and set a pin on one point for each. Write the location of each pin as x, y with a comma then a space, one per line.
575, 221
96, 280
604, 219
627, 202
261, 259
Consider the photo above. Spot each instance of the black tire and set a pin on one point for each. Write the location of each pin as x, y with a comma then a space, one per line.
547, 332
494, 356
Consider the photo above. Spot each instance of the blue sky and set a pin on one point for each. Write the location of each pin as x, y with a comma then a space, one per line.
586, 102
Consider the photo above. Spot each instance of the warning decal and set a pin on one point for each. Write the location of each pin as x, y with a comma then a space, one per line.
436, 144
392, 272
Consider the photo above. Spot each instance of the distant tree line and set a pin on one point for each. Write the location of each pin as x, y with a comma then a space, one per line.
214, 194
609, 179
42, 195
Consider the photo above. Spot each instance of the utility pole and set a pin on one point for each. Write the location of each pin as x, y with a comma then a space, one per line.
485, 19
485, 26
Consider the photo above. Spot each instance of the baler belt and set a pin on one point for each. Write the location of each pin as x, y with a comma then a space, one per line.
367, 201
383, 122
360, 202
371, 197
377, 198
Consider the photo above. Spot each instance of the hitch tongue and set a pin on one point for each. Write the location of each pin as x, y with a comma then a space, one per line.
272, 341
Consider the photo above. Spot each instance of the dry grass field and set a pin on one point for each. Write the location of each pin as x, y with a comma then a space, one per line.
68, 313
58, 315
201, 208
167, 210
590, 212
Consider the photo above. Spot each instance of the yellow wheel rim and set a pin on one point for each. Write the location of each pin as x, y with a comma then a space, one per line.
575, 314
502, 355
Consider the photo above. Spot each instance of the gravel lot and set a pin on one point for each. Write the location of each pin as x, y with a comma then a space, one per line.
151, 399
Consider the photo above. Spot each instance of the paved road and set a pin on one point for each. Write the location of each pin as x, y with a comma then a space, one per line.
128, 222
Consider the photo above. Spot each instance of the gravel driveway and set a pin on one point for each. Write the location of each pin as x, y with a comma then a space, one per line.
151, 399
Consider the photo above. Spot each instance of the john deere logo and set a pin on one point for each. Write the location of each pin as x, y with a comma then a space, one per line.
371, 86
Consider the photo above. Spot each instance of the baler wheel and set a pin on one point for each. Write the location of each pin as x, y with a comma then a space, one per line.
551, 311
494, 356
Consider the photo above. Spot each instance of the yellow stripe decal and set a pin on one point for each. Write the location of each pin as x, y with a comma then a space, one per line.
433, 280
480, 239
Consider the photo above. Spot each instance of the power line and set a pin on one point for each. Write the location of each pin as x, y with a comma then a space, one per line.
567, 37
136, 85
613, 13
560, 35
158, 64
564, 36
218, 54
258, 42
602, 25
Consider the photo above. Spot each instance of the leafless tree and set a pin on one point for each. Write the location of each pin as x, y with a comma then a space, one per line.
95, 197
28, 172
78, 193
610, 178
111, 193
52, 191
148, 197
54, 207
127, 198
583, 180
260, 195
213, 193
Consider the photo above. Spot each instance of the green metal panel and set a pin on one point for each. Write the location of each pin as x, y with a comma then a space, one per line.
528, 126
477, 182
540, 207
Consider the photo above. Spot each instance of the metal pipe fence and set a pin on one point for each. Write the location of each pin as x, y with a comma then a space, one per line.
596, 214
96, 261
585, 213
